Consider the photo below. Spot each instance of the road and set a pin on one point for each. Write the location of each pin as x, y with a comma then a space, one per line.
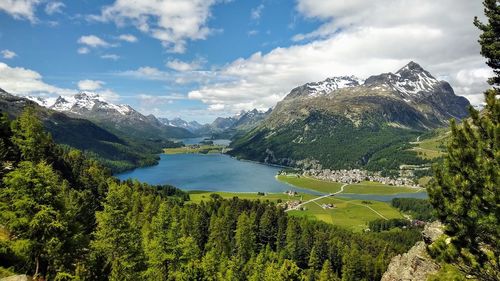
317, 198
331, 194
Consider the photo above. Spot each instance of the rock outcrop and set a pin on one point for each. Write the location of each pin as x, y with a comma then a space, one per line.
416, 264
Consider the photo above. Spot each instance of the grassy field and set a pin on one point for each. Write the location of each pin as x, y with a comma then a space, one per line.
432, 148
195, 149
198, 196
348, 213
378, 188
310, 183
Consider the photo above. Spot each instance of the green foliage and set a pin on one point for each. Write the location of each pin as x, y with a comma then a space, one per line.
379, 225
419, 209
334, 141
465, 191
490, 46
30, 137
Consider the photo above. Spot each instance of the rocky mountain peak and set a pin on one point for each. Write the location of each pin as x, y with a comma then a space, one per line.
410, 82
315, 89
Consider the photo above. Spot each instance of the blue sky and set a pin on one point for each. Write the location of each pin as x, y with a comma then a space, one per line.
199, 59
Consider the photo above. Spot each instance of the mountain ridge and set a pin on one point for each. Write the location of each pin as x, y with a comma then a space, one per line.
355, 125
122, 119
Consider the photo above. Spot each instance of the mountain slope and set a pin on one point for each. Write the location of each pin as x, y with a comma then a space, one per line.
119, 119
113, 151
355, 124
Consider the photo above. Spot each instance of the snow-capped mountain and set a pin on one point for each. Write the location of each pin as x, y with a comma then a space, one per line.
359, 124
314, 89
411, 82
117, 117
192, 126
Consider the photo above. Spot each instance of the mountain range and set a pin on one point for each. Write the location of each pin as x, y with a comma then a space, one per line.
347, 122
121, 119
116, 150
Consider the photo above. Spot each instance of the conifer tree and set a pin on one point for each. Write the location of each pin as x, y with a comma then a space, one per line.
30, 137
466, 188
116, 239
32, 207
245, 237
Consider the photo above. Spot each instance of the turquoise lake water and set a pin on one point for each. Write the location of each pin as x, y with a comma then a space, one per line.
214, 172
219, 172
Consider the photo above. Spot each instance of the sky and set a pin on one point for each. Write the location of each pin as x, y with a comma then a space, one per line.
200, 59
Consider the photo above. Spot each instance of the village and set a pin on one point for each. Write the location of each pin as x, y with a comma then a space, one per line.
356, 176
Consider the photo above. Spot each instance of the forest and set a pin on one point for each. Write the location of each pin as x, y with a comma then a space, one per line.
64, 217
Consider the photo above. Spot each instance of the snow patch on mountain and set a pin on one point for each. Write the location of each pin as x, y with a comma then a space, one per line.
332, 84
81, 101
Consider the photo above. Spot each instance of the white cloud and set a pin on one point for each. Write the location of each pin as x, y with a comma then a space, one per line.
182, 66
83, 50
361, 38
97, 87
173, 22
216, 107
128, 38
8, 54
90, 85
178, 77
54, 7
20, 9
110, 57
22, 81
93, 41
256, 12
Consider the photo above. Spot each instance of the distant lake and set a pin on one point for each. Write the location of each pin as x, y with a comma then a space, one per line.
220, 172
213, 172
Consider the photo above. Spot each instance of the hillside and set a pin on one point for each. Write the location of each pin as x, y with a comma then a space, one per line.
116, 152
345, 122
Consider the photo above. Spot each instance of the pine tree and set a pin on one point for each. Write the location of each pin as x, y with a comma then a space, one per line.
245, 238
326, 273
466, 188
29, 135
116, 238
490, 44
32, 208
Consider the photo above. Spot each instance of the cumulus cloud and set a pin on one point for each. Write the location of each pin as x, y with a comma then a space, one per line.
93, 41
22, 81
20, 9
8, 54
182, 66
128, 38
360, 38
54, 7
173, 22
90, 85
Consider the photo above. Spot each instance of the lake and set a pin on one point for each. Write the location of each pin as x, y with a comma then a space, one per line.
220, 172
213, 172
